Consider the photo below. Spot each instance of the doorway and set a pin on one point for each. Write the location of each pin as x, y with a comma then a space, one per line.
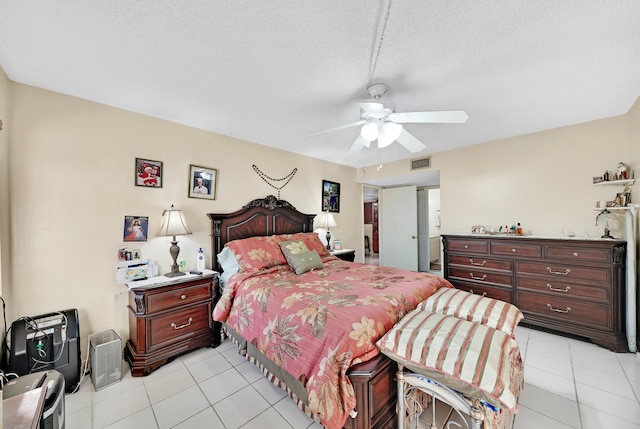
429, 181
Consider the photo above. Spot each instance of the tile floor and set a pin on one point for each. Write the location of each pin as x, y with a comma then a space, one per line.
569, 384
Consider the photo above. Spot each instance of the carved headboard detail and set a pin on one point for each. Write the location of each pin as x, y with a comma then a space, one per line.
260, 217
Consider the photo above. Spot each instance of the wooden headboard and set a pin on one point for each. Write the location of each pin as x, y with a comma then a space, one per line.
264, 216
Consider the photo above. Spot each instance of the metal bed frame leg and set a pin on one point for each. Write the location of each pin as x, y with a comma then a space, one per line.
401, 410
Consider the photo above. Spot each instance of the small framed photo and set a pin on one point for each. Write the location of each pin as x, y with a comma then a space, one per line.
202, 182
148, 173
136, 228
622, 199
330, 196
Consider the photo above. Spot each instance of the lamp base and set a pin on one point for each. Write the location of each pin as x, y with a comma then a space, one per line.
176, 274
328, 240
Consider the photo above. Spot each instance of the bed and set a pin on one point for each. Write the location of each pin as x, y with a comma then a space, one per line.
314, 332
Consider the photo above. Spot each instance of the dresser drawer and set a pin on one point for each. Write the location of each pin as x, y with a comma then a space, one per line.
561, 288
483, 290
177, 297
471, 246
472, 261
178, 325
578, 253
566, 310
516, 249
480, 275
564, 271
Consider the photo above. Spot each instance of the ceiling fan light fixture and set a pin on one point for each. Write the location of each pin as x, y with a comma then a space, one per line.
389, 132
369, 131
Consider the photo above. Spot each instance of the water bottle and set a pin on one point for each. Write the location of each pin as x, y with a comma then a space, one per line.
200, 265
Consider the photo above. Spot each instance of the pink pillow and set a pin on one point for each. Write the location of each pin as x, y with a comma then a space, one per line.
257, 253
312, 241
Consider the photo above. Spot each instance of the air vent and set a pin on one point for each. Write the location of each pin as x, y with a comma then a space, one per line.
417, 164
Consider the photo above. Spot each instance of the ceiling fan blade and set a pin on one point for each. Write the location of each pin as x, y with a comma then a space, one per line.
353, 124
356, 148
443, 116
411, 143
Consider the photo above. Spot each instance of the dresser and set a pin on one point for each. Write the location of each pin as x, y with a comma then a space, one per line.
168, 317
573, 286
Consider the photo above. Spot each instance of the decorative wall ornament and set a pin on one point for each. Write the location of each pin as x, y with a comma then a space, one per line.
267, 179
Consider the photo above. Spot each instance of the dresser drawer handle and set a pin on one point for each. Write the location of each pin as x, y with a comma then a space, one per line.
176, 327
576, 254
557, 310
566, 288
475, 263
566, 272
483, 293
183, 296
466, 246
484, 276
513, 250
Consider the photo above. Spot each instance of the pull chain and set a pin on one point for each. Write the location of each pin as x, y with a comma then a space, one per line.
384, 29
264, 177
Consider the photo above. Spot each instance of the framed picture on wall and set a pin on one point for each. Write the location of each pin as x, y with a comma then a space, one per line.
202, 182
148, 173
330, 196
135, 228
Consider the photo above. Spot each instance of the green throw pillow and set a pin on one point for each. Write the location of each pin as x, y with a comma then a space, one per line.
290, 248
306, 261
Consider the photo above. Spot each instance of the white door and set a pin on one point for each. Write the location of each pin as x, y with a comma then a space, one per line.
398, 226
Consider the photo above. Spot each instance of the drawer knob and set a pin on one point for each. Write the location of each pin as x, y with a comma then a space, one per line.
466, 246
557, 310
183, 296
566, 272
478, 264
576, 254
513, 250
484, 276
176, 327
566, 288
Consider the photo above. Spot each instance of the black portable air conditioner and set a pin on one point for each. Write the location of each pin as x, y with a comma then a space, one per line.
48, 341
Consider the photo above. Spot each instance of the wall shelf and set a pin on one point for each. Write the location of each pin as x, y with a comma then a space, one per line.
624, 182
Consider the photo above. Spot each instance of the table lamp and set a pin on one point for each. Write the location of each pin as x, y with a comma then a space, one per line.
327, 222
173, 224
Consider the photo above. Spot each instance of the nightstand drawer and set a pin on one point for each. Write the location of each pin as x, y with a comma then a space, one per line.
178, 325
177, 297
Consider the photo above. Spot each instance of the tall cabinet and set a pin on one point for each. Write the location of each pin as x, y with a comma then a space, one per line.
568, 285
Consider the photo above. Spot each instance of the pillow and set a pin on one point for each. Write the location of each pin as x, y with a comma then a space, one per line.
313, 242
228, 264
475, 308
257, 253
469, 357
292, 248
306, 261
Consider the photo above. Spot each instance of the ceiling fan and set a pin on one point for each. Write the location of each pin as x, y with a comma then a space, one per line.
381, 122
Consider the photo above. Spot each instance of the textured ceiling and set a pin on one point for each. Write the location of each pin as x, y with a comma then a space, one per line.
273, 72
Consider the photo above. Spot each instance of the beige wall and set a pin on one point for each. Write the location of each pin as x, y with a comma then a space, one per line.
542, 180
5, 254
72, 183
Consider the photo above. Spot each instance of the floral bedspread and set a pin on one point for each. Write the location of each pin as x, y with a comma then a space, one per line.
319, 324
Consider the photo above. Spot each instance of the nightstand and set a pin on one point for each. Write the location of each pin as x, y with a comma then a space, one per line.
168, 317
344, 254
